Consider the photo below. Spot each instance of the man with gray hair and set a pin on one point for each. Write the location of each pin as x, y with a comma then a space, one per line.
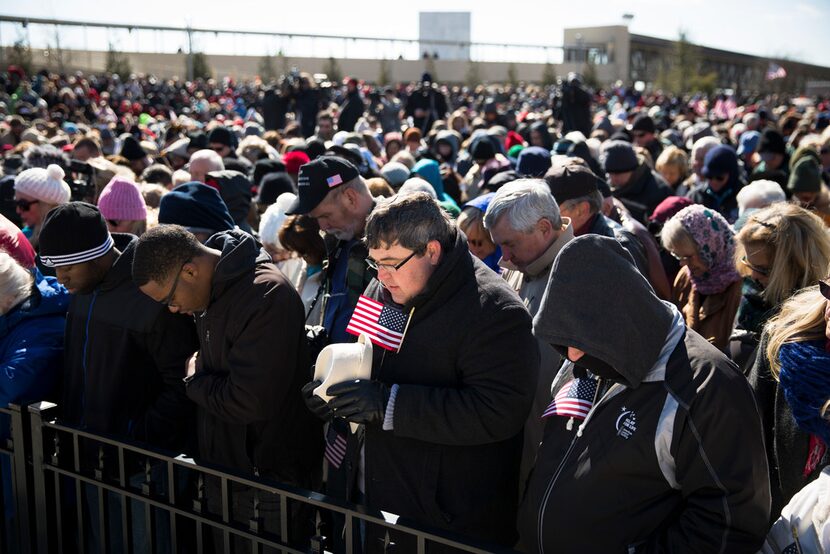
442, 416
203, 162
524, 220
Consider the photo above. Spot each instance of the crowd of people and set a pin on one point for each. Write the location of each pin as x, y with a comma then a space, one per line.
564, 319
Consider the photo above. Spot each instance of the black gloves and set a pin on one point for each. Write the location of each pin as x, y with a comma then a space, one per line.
316, 404
359, 401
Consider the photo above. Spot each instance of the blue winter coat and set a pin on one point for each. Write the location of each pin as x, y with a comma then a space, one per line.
31, 356
31, 343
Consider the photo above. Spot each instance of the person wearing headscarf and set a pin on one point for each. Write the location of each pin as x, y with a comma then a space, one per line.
708, 287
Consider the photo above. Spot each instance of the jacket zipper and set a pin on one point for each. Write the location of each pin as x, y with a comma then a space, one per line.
608, 394
86, 348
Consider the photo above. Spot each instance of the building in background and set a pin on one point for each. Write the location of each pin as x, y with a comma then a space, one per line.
444, 26
618, 55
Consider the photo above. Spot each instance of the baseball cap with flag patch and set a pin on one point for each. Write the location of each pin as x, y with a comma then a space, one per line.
317, 178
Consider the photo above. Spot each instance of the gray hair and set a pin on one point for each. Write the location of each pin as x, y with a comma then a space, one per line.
15, 283
524, 202
674, 235
416, 184
213, 159
593, 199
759, 194
411, 220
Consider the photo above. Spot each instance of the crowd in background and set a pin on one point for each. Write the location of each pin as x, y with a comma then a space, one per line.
713, 213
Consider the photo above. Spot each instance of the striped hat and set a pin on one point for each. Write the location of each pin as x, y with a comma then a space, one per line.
73, 233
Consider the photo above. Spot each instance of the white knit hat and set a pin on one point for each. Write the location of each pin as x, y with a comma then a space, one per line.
46, 185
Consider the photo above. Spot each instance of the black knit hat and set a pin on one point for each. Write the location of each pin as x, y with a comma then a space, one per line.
197, 207
264, 167
221, 135
73, 233
132, 150
618, 157
772, 141
644, 123
274, 184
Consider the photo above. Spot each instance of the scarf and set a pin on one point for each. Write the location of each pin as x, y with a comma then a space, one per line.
716, 247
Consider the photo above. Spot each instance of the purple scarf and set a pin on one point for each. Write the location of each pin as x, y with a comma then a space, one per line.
716, 247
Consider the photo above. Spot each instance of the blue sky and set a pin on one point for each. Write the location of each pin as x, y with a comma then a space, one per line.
795, 29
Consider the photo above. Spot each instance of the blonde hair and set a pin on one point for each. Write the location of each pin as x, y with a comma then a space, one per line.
801, 319
15, 283
797, 243
674, 157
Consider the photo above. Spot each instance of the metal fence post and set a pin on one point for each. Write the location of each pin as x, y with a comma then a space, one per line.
39, 412
20, 478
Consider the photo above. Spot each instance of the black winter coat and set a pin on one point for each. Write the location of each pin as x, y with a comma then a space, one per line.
350, 111
467, 373
124, 360
670, 456
253, 361
643, 193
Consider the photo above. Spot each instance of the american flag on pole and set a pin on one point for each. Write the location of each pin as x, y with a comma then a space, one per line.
775, 71
574, 399
335, 447
384, 325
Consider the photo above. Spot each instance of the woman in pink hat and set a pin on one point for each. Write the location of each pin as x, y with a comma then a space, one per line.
123, 207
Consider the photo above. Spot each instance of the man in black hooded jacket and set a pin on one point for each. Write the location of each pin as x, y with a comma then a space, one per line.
653, 441
252, 360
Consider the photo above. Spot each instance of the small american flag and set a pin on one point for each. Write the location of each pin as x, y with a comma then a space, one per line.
775, 71
384, 325
335, 447
334, 180
574, 399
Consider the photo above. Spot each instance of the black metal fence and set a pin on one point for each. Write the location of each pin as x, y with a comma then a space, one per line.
67, 490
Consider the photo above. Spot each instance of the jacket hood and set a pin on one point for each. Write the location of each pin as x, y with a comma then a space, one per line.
430, 171
122, 268
542, 128
235, 190
48, 298
240, 254
598, 302
450, 138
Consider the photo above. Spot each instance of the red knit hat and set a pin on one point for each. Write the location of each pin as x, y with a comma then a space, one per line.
121, 200
513, 139
293, 160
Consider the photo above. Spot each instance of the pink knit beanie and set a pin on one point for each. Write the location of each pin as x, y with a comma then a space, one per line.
121, 200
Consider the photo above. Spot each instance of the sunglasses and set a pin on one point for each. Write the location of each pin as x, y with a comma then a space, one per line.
113, 222
762, 270
24, 205
824, 289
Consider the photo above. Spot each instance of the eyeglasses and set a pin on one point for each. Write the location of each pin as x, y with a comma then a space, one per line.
24, 205
681, 259
169, 298
389, 268
762, 270
824, 289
